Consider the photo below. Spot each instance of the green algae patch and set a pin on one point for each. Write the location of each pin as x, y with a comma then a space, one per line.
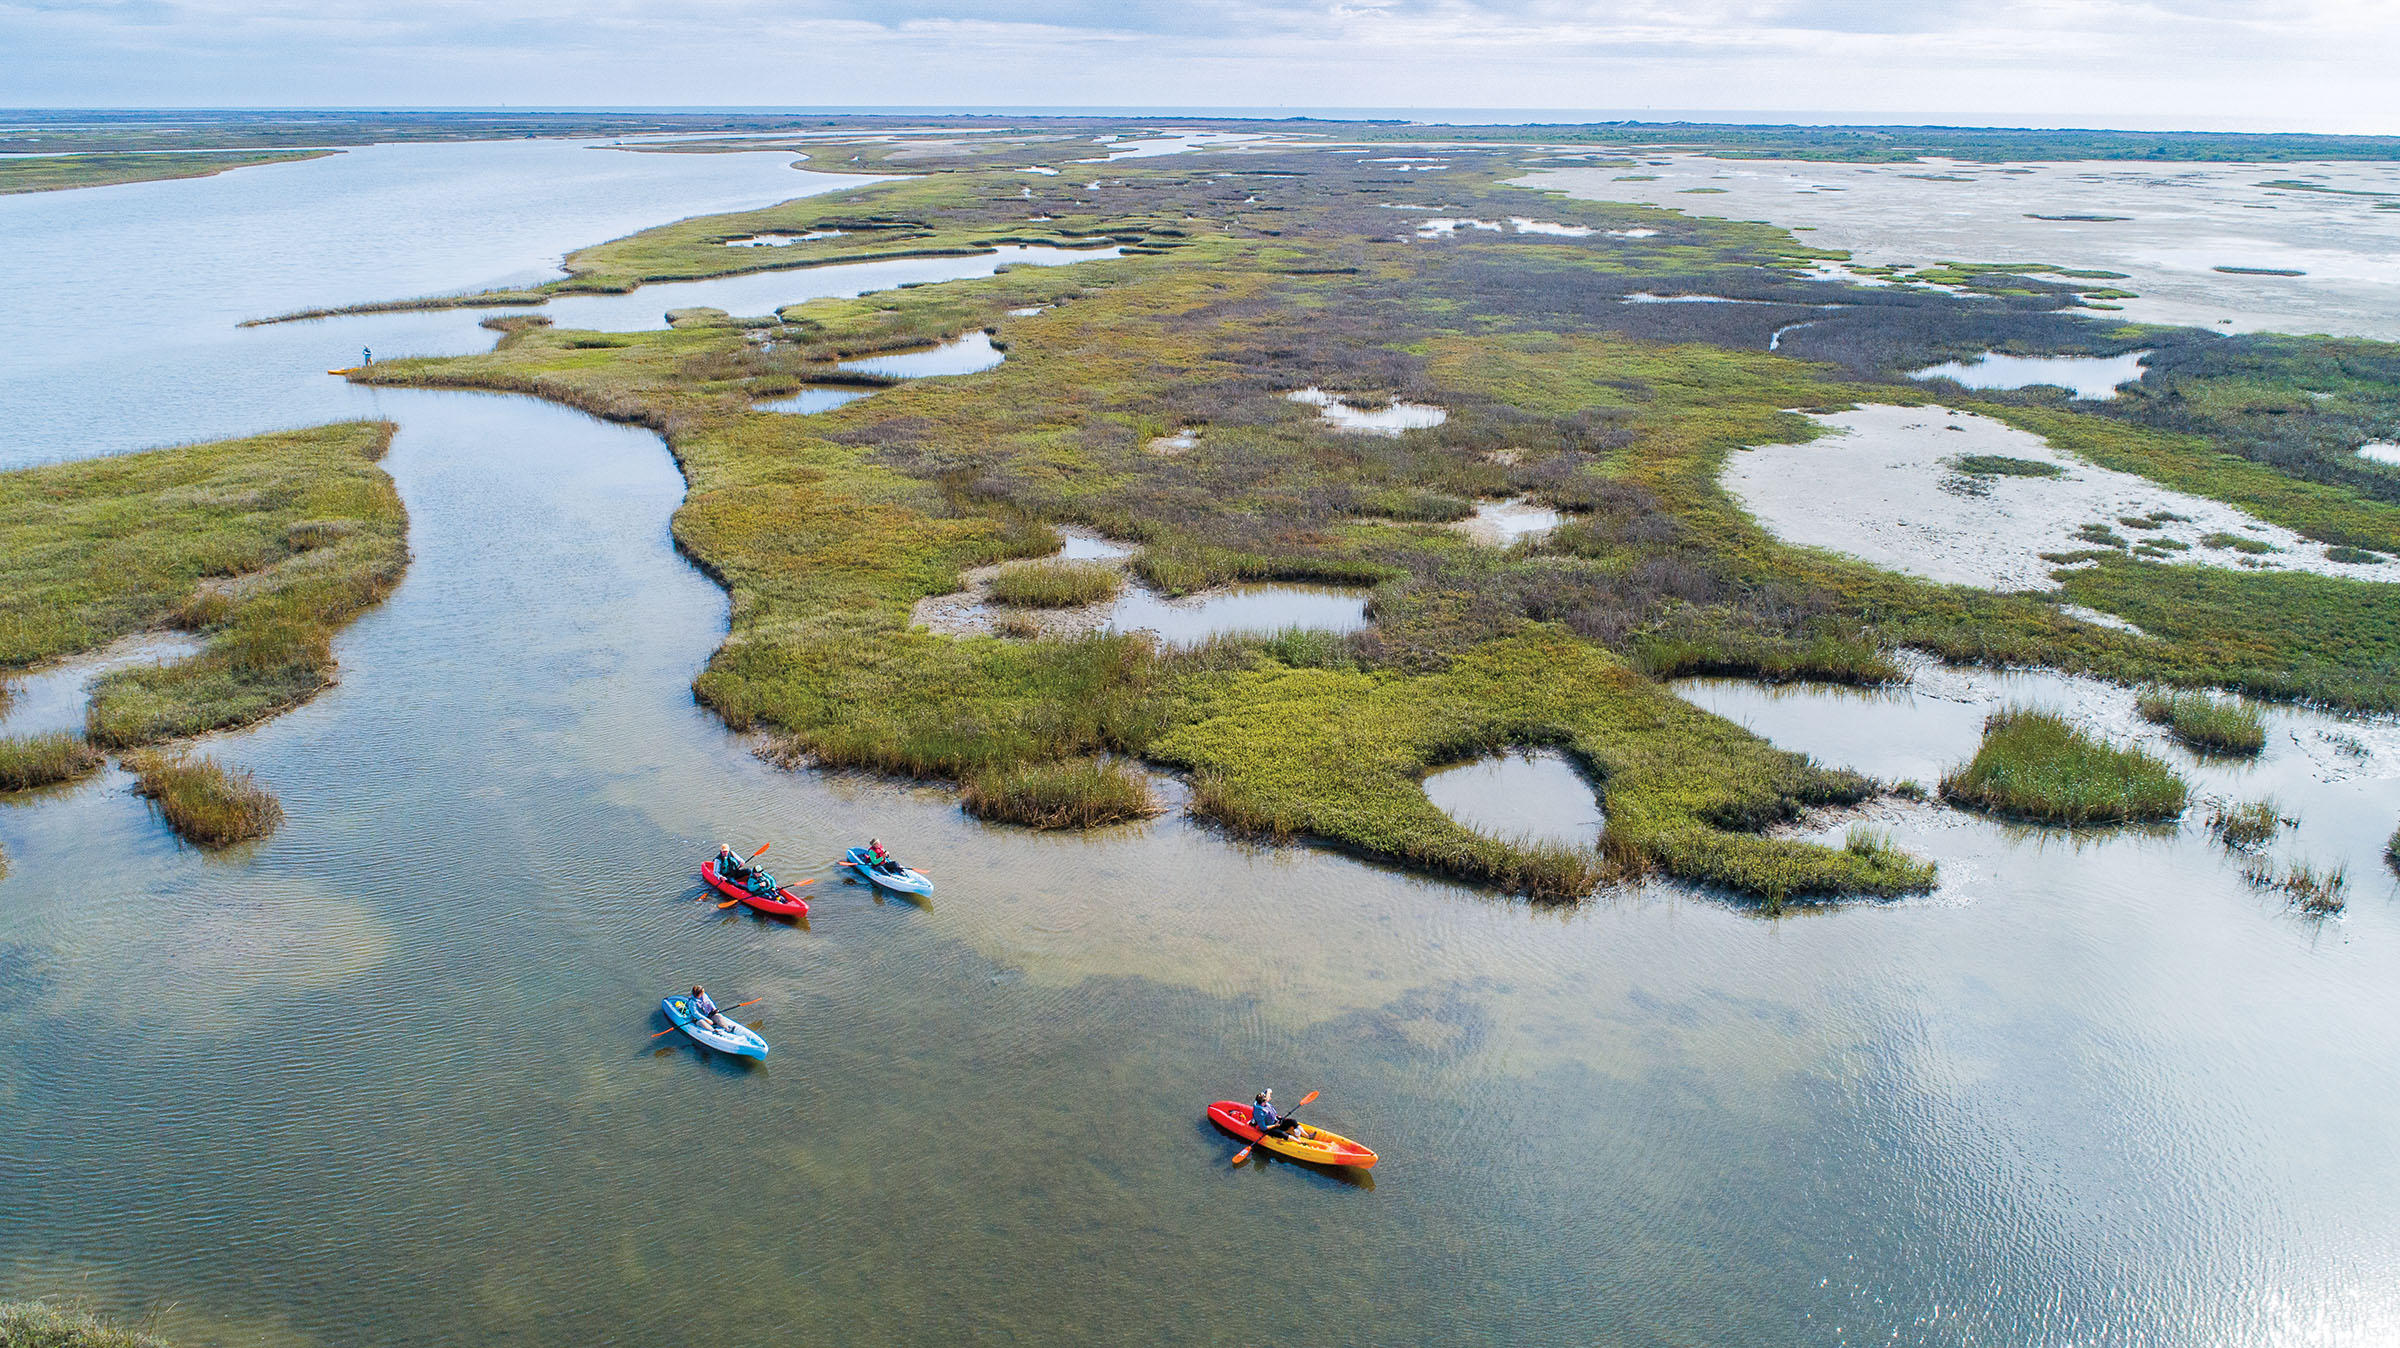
265, 547
2034, 766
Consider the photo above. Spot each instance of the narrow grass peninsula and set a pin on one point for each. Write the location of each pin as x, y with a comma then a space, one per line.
1150, 396
55, 173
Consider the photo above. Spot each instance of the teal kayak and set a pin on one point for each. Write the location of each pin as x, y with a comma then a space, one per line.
889, 874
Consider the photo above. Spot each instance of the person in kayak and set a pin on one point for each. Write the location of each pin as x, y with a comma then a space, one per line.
883, 859
1264, 1118
762, 884
707, 1009
729, 867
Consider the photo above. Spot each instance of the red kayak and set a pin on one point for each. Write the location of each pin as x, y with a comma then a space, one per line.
784, 904
1318, 1146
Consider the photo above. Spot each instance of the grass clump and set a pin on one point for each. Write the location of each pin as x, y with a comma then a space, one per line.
2344, 553
2317, 893
38, 1324
2237, 543
2003, 465
1055, 584
44, 760
2033, 765
1073, 793
2244, 827
205, 803
2205, 723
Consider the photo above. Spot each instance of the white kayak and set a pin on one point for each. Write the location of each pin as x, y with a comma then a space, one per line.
862, 863
735, 1037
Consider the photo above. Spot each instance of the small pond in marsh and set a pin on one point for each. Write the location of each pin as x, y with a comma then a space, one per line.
1539, 796
2088, 377
1240, 609
1501, 523
1390, 419
810, 401
961, 355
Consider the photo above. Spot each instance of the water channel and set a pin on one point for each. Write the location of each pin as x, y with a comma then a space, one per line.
387, 1077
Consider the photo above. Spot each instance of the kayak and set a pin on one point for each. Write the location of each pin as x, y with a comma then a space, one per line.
906, 881
737, 1038
784, 903
1317, 1145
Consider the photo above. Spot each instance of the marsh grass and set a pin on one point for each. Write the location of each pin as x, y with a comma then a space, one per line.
2034, 766
39, 1324
206, 803
45, 760
265, 546
2205, 723
2002, 465
2317, 893
1073, 793
1053, 584
2244, 827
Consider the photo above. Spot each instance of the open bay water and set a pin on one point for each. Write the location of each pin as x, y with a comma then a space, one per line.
387, 1077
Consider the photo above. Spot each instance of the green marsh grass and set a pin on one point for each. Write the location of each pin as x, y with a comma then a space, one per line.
265, 547
39, 1324
1075, 793
1051, 584
2002, 465
2206, 723
2034, 766
2244, 827
207, 804
45, 760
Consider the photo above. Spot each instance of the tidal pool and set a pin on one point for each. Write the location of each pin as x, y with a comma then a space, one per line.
2088, 377
1390, 419
1539, 796
810, 401
1236, 610
54, 698
1894, 486
2380, 451
960, 355
2096, 1091
1501, 523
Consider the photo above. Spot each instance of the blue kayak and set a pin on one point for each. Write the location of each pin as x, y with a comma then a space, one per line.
736, 1038
889, 874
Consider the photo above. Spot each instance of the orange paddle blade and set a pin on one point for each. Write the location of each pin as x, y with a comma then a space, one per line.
762, 851
1243, 1154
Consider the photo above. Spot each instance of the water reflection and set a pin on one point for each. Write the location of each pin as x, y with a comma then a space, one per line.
54, 698
962, 355
809, 401
1540, 796
1240, 609
2088, 377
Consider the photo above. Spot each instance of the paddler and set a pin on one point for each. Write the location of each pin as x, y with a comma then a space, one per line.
883, 859
1264, 1118
729, 866
707, 1008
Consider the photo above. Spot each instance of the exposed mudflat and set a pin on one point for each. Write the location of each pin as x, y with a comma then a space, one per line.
2169, 228
1885, 488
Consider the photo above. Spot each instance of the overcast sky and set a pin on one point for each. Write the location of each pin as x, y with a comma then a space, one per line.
2269, 64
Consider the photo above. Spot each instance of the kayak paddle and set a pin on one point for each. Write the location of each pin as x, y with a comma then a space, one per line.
1244, 1153
721, 1010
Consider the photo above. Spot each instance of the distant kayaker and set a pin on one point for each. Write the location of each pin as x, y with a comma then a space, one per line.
1264, 1118
707, 1008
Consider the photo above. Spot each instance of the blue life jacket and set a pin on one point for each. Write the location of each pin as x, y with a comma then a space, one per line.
704, 1005
1262, 1116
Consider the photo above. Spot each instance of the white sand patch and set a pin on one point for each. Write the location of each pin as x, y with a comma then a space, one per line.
1884, 488
1635, 233
2381, 451
1045, 172
1387, 420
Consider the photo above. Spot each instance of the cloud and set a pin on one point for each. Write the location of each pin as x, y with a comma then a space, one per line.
2037, 61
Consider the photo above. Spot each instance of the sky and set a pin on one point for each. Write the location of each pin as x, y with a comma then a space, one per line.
2321, 65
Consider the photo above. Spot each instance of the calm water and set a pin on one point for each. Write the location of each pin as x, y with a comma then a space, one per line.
1540, 796
960, 355
1238, 608
387, 1078
2090, 377
810, 401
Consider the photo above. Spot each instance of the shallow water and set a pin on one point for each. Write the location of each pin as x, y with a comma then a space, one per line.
1501, 523
810, 401
2089, 377
2380, 451
55, 698
386, 1078
962, 355
1241, 608
1540, 796
2174, 225
1390, 419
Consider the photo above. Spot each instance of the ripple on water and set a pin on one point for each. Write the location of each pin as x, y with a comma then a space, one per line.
1539, 796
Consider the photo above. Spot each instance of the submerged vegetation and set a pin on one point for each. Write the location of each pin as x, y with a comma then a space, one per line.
265, 547
39, 1324
2244, 827
2206, 723
206, 803
2034, 766
1244, 277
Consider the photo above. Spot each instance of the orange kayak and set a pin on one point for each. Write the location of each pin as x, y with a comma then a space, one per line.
1318, 1146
